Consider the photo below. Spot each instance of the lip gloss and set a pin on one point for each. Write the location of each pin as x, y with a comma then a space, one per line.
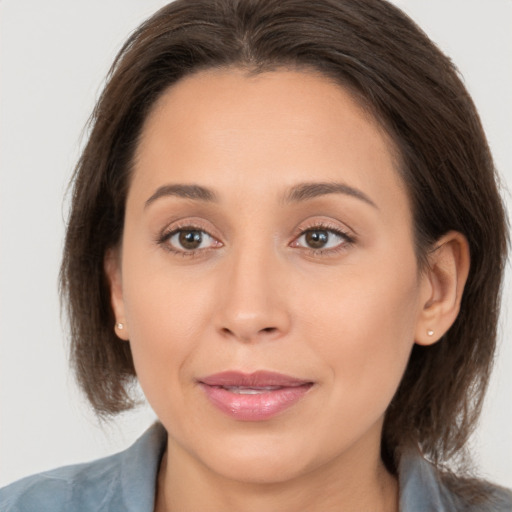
253, 397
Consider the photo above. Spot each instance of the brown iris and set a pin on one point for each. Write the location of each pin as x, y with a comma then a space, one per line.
317, 239
190, 239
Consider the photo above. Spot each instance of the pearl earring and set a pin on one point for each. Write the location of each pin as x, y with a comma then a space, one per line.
430, 332
120, 326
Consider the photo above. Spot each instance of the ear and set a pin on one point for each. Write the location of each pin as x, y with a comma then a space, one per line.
443, 285
112, 267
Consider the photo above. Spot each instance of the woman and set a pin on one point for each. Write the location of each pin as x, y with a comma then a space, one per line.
286, 224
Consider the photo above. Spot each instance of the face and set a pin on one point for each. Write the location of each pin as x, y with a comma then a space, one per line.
267, 276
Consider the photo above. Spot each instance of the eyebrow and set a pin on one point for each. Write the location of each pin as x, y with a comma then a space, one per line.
298, 193
195, 192
306, 191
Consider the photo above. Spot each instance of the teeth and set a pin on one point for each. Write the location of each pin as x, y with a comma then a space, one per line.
250, 391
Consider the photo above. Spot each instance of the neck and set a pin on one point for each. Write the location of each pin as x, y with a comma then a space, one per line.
362, 483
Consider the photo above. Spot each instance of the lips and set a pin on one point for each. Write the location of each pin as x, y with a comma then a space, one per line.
256, 396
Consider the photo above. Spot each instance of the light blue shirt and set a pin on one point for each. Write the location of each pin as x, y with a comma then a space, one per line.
126, 481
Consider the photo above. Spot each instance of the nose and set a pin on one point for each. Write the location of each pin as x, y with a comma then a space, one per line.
253, 305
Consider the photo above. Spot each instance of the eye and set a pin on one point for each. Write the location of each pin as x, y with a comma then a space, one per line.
188, 240
322, 239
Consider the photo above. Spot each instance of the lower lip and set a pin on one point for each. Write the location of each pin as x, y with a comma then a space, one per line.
258, 407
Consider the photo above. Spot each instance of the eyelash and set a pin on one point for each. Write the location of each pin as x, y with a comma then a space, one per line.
166, 235
348, 240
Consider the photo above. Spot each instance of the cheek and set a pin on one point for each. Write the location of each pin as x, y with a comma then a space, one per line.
363, 327
166, 315
165, 334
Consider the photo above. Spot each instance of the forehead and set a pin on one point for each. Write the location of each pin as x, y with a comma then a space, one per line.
275, 127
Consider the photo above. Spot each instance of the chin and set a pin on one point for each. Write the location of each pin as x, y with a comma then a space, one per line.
261, 470
260, 461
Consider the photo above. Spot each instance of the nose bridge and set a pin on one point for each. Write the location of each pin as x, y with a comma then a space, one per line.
254, 304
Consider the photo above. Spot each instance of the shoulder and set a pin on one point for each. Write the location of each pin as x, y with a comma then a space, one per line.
71, 488
102, 485
424, 488
501, 499
473, 495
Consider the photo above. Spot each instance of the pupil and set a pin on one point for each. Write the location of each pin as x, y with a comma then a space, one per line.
317, 239
190, 239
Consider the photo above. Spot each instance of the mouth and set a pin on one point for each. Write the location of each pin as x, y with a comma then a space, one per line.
250, 391
253, 397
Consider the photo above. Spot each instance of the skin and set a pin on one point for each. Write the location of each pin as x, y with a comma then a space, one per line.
256, 296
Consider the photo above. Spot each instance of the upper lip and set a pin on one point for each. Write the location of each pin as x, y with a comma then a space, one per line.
256, 379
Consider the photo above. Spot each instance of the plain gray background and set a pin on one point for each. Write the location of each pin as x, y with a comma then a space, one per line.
54, 55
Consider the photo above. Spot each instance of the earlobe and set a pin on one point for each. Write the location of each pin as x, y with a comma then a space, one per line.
112, 267
444, 282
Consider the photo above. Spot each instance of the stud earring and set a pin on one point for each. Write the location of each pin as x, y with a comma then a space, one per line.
120, 326
430, 332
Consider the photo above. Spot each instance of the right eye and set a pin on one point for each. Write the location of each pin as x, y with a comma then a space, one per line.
321, 238
188, 240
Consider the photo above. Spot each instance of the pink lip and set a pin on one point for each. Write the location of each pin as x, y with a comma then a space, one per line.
256, 396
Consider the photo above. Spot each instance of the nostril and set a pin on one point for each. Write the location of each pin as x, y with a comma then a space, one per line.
248, 335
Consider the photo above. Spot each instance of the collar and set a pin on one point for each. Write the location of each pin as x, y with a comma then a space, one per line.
421, 489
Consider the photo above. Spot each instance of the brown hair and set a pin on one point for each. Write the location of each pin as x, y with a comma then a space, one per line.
413, 90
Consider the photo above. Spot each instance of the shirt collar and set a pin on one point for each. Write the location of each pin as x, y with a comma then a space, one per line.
420, 488
139, 467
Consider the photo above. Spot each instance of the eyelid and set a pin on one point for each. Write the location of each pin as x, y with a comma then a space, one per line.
326, 224
198, 224
175, 227
342, 231
192, 223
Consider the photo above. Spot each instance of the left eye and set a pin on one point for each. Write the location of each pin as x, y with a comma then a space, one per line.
190, 240
320, 239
